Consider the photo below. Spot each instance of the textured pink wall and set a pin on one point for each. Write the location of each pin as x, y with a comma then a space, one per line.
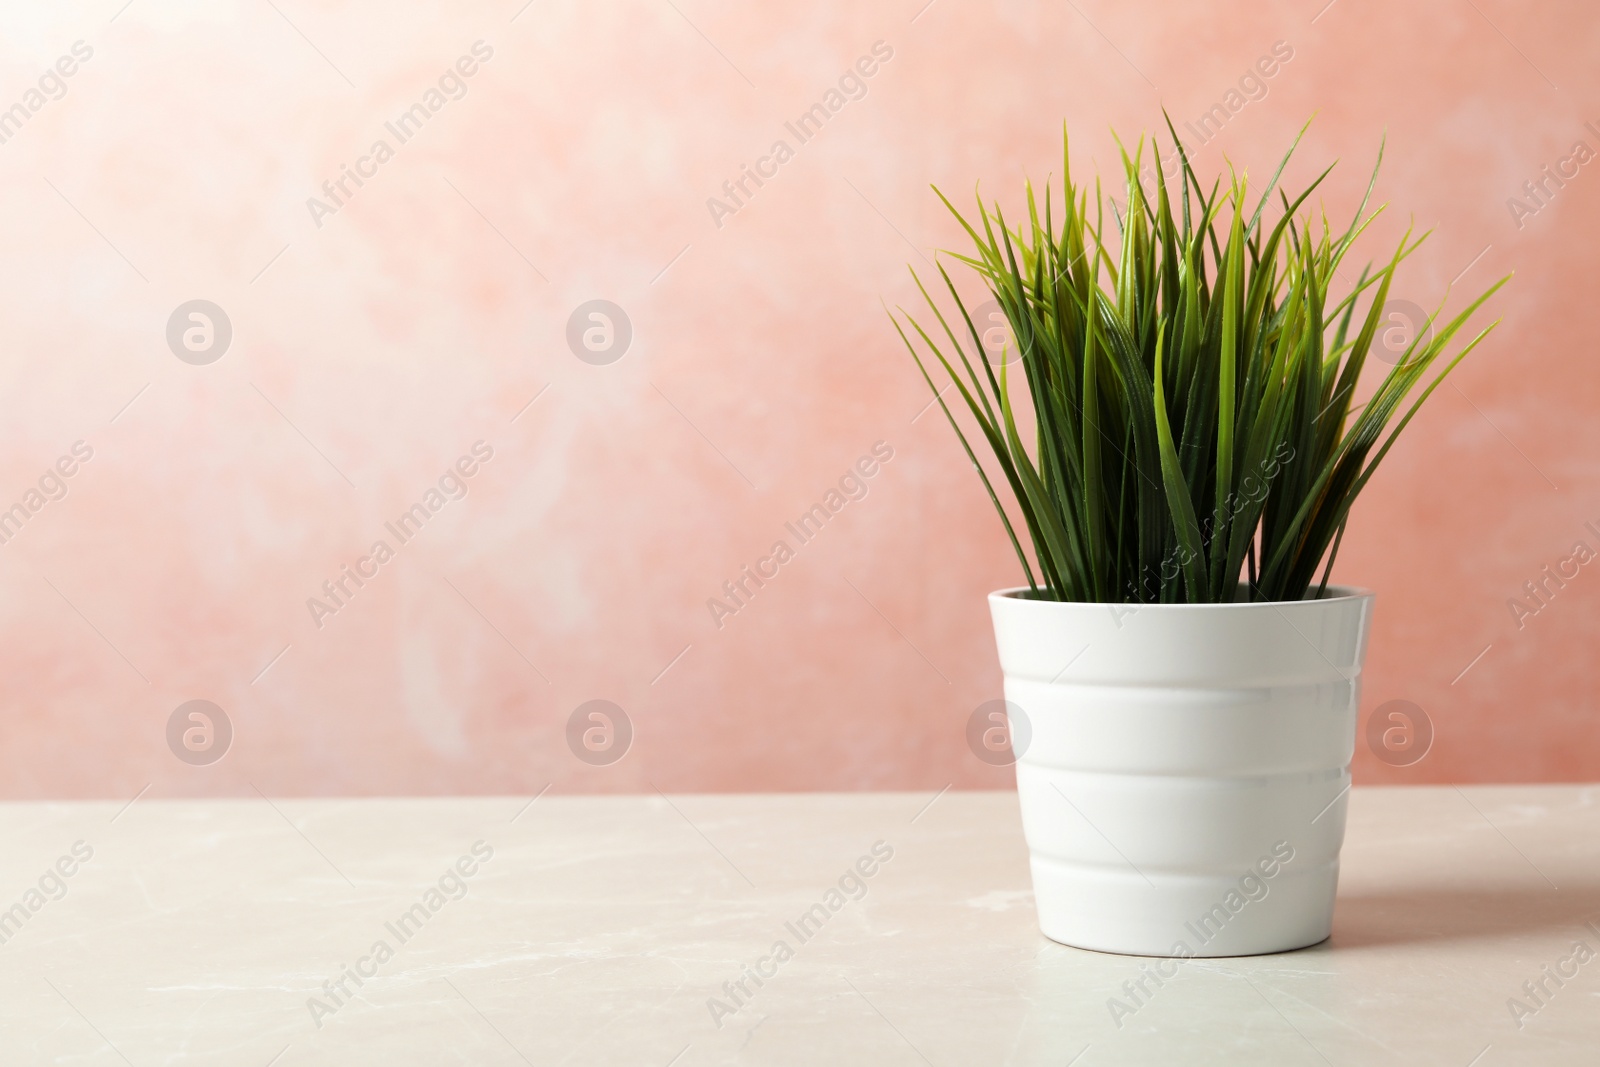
374, 345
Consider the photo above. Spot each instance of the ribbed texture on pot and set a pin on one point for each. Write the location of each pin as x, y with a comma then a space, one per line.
1184, 775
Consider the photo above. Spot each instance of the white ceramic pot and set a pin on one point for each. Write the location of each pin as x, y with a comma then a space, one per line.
1184, 768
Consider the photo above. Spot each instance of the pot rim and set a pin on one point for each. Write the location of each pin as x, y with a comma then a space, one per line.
1336, 594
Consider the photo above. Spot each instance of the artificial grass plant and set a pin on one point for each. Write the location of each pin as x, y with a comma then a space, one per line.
1191, 380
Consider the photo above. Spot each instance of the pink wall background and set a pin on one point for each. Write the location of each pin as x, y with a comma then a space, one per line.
370, 352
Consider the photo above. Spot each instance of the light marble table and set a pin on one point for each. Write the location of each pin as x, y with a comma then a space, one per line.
601, 930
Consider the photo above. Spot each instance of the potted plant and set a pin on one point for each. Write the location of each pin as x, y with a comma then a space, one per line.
1183, 452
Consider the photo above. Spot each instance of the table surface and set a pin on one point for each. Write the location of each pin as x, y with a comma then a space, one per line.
602, 930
